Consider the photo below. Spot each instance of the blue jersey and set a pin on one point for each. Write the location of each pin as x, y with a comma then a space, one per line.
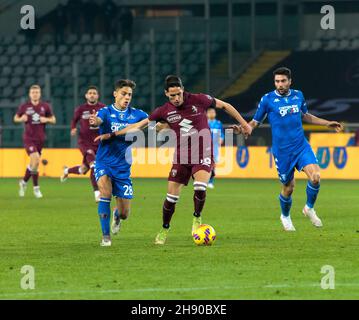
217, 133
285, 117
115, 152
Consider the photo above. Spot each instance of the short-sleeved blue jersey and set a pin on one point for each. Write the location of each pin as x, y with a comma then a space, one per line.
285, 117
217, 134
115, 152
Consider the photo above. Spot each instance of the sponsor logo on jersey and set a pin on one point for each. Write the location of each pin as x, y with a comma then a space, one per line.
113, 116
116, 126
174, 118
131, 117
35, 118
276, 100
186, 125
86, 115
288, 109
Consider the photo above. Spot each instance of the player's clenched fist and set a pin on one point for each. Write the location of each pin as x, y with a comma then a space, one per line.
247, 130
102, 137
93, 119
338, 127
23, 118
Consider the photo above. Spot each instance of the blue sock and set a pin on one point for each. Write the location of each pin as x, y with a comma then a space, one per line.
312, 193
285, 204
104, 211
211, 180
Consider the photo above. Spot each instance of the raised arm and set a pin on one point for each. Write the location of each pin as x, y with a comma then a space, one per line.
94, 120
246, 129
309, 118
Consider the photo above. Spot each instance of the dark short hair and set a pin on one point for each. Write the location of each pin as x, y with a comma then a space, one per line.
172, 81
283, 71
125, 83
92, 88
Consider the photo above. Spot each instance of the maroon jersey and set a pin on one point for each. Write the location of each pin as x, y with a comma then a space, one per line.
34, 129
82, 114
190, 124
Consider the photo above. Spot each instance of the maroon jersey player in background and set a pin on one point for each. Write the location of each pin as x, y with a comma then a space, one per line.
35, 114
185, 114
87, 135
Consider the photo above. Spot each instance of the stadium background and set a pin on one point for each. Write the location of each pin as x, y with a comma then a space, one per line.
225, 48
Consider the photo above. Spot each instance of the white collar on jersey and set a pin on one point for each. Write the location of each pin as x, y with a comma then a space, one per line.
287, 95
118, 110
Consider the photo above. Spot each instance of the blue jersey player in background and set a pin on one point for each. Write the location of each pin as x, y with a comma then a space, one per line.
113, 158
285, 109
217, 134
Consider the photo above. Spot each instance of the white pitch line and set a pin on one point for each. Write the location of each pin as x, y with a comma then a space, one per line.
271, 286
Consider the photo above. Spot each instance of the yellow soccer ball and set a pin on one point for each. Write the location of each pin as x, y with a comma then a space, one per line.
205, 235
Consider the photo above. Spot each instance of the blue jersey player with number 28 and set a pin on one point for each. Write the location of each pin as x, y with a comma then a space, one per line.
286, 109
113, 158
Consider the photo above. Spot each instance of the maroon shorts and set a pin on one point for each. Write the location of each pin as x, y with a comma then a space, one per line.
33, 146
181, 173
89, 153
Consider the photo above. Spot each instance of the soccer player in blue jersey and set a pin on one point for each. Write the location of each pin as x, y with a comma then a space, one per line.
286, 109
217, 134
113, 158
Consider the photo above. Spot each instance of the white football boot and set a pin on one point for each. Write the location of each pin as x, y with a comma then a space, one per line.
106, 242
97, 195
312, 215
22, 188
65, 174
210, 186
287, 223
37, 192
116, 224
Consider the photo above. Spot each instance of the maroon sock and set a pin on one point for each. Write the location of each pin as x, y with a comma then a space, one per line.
35, 179
93, 180
27, 175
199, 199
74, 170
168, 210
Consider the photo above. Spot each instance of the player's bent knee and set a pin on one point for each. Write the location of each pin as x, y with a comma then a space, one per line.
315, 179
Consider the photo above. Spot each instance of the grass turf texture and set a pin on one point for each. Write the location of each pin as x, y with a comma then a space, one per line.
252, 258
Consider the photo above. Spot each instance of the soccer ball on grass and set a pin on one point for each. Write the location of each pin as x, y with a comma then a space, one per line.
205, 235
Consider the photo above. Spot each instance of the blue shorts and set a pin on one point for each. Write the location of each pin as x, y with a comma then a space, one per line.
121, 181
286, 163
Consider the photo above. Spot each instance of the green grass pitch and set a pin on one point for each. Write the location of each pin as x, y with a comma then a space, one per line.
252, 258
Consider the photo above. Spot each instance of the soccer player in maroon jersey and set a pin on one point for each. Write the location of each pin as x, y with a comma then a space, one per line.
86, 137
35, 114
185, 114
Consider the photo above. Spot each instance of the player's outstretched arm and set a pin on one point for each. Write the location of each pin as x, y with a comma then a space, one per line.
309, 118
131, 128
246, 129
237, 129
